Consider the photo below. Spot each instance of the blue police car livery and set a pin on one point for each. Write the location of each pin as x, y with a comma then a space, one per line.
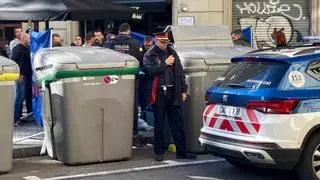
265, 110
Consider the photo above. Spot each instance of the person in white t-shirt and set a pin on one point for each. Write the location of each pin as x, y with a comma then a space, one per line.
89, 40
16, 40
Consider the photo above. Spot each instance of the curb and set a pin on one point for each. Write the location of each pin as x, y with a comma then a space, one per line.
26, 151
23, 151
35, 151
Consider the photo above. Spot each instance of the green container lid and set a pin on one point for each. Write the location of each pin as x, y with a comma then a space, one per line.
69, 62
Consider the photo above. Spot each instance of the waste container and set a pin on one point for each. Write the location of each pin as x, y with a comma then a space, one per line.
205, 52
9, 72
91, 99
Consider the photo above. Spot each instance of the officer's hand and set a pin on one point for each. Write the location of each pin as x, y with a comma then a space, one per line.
184, 96
170, 60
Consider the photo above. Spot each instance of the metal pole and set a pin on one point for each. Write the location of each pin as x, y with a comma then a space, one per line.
174, 12
85, 28
47, 25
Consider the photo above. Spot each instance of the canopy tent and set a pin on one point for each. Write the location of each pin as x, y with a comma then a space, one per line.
50, 10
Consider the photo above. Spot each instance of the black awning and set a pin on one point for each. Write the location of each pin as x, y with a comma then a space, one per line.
145, 5
98, 9
44, 10
138, 1
36, 10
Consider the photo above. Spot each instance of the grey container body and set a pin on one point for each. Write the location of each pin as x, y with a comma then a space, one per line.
205, 52
87, 119
92, 121
7, 67
6, 125
195, 105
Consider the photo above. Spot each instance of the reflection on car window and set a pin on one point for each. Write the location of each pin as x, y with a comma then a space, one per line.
314, 69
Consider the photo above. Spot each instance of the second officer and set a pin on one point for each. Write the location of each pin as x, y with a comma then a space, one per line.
167, 92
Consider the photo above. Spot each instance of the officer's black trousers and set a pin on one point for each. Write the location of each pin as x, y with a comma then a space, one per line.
163, 106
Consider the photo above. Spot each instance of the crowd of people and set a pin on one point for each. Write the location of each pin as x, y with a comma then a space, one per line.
92, 38
160, 83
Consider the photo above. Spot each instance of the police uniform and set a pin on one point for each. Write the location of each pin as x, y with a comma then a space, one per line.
166, 85
128, 45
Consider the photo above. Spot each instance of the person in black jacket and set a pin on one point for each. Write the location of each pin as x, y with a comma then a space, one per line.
21, 55
98, 38
147, 43
126, 44
167, 92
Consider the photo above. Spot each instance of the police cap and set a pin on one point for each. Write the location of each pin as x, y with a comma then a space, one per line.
162, 36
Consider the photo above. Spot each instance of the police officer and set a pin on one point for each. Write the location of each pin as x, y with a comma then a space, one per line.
147, 43
126, 44
167, 90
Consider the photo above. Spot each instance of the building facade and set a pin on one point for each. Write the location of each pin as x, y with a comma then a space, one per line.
315, 17
299, 18
202, 12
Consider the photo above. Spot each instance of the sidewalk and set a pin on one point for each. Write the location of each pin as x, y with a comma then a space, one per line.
23, 147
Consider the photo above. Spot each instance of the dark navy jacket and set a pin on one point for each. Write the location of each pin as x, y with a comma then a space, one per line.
127, 45
154, 64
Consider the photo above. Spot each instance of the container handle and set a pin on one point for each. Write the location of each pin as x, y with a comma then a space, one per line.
16, 69
49, 66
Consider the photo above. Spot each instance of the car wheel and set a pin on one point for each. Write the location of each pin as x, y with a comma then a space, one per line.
238, 163
309, 163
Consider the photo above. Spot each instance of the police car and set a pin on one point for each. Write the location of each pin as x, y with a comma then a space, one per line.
264, 110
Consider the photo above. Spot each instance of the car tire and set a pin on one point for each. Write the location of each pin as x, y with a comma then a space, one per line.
305, 169
238, 163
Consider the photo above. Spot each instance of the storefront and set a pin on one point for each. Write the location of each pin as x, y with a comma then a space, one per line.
157, 14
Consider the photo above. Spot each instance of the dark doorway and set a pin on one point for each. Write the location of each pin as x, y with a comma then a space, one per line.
155, 17
9, 33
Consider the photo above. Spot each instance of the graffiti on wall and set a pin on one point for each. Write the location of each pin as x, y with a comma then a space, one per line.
263, 28
270, 8
266, 15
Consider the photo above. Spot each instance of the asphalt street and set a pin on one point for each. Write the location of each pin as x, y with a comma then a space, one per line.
207, 171
140, 167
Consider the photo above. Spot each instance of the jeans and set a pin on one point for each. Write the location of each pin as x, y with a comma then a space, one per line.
28, 94
142, 93
19, 92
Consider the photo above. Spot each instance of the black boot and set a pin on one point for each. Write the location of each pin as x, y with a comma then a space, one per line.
159, 157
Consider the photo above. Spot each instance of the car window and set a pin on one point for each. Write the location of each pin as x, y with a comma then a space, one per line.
313, 69
252, 75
